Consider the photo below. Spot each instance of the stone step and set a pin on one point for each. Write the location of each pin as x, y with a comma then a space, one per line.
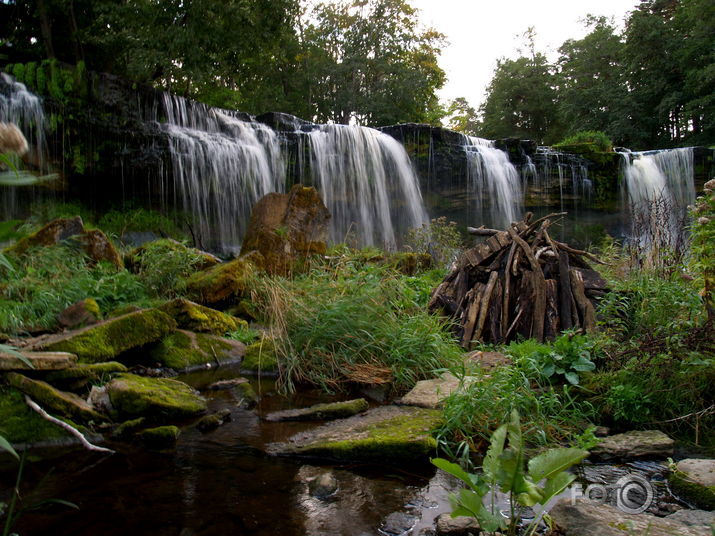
39, 360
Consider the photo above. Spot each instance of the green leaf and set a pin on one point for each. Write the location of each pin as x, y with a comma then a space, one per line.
490, 465
455, 470
5, 445
556, 485
548, 464
470, 504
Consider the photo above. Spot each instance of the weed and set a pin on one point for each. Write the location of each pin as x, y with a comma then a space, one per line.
439, 238
164, 265
119, 222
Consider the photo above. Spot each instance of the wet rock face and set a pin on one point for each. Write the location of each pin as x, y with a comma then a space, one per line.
287, 228
694, 480
634, 444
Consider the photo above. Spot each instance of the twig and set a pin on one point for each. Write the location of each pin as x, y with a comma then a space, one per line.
701, 413
71, 429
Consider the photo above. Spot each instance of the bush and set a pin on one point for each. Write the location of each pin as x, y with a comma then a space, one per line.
439, 238
164, 265
593, 137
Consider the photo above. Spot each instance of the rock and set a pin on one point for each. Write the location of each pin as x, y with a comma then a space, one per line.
99, 248
694, 480
128, 428
323, 486
247, 396
586, 518
99, 399
693, 518
410, 263
52, 233
261, 358
208, 423
634, 444
321, 412
194, 317
284, 122
447, 525
94, 371
226, 384
133, 260
53, 400
108, 339
286, 228
82, 313
183, 350
223, 283
39, 360
398, 524
488, 360
20, 424
387, 433
432, 393
162, 398
161, 437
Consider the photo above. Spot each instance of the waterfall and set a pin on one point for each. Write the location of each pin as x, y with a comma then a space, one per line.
563, 171
657, 188
493, 182
367, 182
222, 165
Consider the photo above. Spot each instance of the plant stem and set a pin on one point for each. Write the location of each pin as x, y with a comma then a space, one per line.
15, 494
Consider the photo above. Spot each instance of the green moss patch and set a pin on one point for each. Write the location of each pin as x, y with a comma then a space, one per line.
694, 481
321, 412
159, 398
261, 357
107, 340
161, 437
85, 372
19, 424
222, 283
197, 318
185, 349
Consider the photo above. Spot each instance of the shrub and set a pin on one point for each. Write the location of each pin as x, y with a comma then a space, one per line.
439, 238
593, 137
164, 265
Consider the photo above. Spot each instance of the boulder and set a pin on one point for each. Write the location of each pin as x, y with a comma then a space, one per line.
208, 423
587, 518
261, 358
634, 444
20, 424
94, 372
286, 228
197, 318
223, 283
82, 313
694, 480
183, 350
247, 396
224, 385
133, 260
161, 437
39, 361
321, 412
446, 525
431, 393
693, 518
55, 401
409, 263
158, 398
52, 233
388, 433
99, 248
107, 340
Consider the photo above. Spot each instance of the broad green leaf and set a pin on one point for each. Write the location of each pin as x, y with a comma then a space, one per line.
490, 466
553, 461
571, 377
5, 445
470, 504
556, 485
455, 470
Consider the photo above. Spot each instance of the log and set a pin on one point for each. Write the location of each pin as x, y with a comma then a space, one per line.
507, 281
565, 295
586, 309
552, 324
537, 328
481, 231
484, 307
470, 320
495, 314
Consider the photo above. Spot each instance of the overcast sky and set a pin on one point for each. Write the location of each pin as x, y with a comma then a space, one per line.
481, 31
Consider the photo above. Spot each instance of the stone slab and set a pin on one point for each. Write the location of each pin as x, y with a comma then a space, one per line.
39, 360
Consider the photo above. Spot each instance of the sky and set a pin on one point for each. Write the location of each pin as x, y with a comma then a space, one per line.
481, 31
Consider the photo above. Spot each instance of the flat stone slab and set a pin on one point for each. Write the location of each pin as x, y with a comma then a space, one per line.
39, 360
432, 393
693, 518
446, 525
694, 480
587, 518
393, 433
700, 471
634, 444
321, 412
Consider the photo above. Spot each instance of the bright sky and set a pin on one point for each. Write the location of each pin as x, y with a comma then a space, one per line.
481, 31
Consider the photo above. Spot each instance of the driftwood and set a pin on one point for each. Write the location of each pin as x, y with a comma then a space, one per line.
519, 281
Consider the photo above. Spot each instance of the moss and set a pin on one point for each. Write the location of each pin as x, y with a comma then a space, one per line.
165, 245
50, 234
184, 349
197, 318
110, 338
53, 400
134, 396
248, 395
162, 437
322, 412
222, 283
85, 372
261, 357
701, 496
128, 428
19, 424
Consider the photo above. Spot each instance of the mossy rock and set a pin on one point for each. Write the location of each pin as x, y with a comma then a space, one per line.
248, 395
197, 318
99, 247
388, 433
185, 350
53, 400
133, 259
52, 233
82, 313
409, 263
207, 423
694, 481
157, 398
223, 283
107, 340
321, 412
161, 437
261, 357
20, 424
85, 372
128, 428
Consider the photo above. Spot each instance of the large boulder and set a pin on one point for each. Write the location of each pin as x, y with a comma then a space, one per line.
107, 340
186, 350
158, 398
197, 318
167, 246
286, 228
694, 480
432, 393
634, 444
99, 248
52, 233
82, 313
223, 283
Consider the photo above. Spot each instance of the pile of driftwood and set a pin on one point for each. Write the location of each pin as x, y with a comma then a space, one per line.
520, 281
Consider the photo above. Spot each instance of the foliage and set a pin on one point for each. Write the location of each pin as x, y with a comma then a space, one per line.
471, 414
439, 238
594, 137
505, 468
703, 247
350, 321
461, 117
568, 355
244, 334
49, 279
163, 266
126, 220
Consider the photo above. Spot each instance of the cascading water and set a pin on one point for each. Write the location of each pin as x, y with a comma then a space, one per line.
493, 182
567, 172
367, 182
658, 186
221, 166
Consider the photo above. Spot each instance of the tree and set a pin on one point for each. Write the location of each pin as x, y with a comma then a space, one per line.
461, 117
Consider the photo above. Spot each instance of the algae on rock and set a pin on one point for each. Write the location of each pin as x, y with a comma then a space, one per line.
194, 317
223, 283
20, 424
185, 349
261, 357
